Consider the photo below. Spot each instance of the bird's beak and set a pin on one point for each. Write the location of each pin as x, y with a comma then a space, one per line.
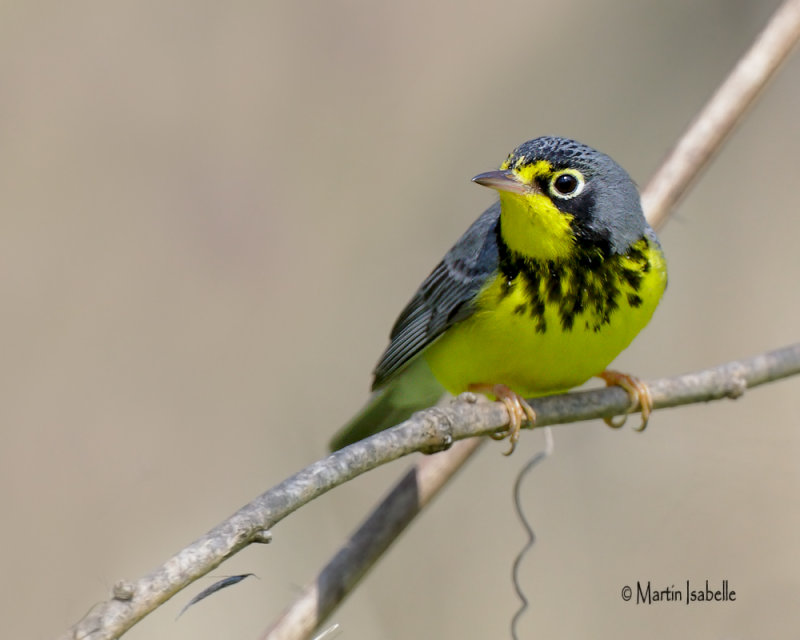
502, 181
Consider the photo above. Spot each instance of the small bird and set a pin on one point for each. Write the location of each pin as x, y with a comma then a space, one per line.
540, 294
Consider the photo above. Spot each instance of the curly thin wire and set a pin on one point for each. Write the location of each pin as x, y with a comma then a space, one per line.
536, 459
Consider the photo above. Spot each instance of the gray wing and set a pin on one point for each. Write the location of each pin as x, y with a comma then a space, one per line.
445, 297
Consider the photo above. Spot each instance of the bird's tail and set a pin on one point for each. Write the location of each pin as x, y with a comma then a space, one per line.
412, 389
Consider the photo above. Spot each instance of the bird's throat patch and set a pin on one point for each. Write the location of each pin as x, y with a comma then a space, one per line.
533, 226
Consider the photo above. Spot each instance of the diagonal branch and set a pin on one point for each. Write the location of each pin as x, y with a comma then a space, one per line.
426, 431
366, 546
723, 111
425, 479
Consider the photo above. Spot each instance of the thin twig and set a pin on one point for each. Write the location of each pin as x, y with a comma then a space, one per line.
437, 428
718, 118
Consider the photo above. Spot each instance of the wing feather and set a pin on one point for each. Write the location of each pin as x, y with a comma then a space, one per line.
446, 296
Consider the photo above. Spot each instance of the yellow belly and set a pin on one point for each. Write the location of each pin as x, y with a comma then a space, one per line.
500, 344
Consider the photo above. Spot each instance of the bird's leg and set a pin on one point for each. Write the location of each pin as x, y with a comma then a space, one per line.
639, 394
518, 409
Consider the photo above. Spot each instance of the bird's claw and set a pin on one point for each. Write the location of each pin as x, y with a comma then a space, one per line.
638, 392
519, 412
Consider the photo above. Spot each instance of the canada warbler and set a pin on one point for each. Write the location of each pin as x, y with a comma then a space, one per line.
540, 294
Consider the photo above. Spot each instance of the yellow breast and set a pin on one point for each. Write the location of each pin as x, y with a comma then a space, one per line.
551, 327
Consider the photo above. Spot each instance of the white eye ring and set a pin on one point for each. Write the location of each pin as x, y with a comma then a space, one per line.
569, 188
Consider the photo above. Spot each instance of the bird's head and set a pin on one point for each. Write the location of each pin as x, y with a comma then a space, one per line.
557, 194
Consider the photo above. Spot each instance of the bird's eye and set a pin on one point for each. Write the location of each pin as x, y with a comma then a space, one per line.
567, 184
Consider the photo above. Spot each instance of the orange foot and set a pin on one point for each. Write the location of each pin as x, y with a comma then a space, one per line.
638, 391
519, 411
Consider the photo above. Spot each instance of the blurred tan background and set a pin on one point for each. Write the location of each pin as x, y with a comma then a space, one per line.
212, 213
